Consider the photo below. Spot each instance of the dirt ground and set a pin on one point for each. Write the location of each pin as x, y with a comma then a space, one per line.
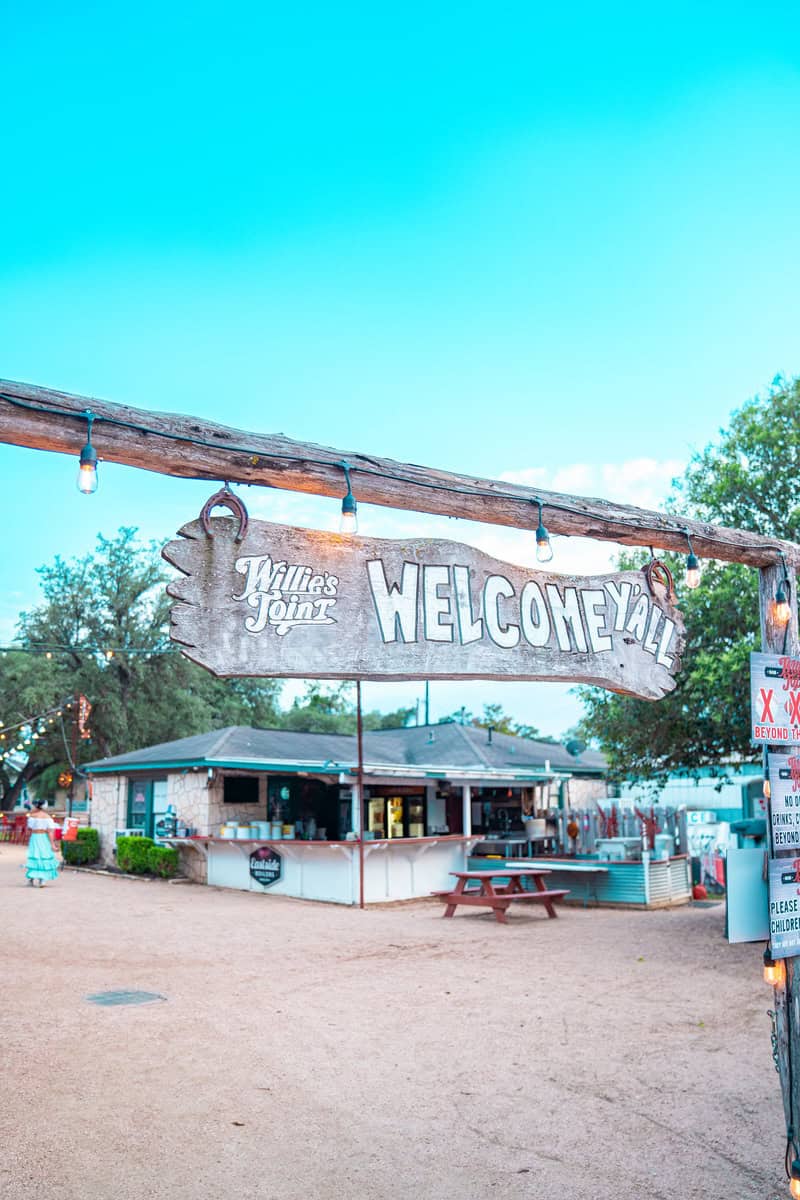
311, 1051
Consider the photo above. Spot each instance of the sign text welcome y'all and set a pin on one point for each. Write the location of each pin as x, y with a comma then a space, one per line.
295, 602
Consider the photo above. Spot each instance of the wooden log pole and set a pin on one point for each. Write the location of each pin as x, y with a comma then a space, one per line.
782, 639
190, 448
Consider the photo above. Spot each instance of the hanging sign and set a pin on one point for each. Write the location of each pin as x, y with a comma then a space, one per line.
266, 865
774, 699
273, 600
784, 907
784, 783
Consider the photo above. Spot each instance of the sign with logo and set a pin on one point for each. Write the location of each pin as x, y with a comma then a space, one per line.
774, 699
266, 865
784, 906
784, 783
301, 603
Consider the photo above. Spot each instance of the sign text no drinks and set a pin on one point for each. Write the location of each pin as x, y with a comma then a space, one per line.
295, 602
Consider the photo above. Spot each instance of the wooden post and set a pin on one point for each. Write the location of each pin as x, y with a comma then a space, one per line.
360, 739
783, 639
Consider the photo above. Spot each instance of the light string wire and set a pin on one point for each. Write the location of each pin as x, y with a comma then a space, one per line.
55, 711
253, 453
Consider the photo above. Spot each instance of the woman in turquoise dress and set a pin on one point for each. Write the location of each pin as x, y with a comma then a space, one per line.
42, 863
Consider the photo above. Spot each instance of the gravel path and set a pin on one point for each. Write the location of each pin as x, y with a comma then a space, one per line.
313, 1052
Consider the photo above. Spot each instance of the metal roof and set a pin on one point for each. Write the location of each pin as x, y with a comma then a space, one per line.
449, 746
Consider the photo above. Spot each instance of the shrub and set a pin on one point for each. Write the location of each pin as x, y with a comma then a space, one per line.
163, 861
85, 850
132, 854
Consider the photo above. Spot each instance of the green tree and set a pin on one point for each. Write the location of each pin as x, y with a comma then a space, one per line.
102, 630
748, 478
325, 708
494, 717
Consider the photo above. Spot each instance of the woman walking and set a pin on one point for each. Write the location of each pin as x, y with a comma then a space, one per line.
42, 863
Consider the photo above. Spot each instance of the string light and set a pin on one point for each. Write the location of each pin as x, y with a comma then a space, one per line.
348, 522
692, 566
544, 551
87, 469
774, 970
794, 1179
254, 454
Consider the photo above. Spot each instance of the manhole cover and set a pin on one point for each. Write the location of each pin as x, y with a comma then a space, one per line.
109, 998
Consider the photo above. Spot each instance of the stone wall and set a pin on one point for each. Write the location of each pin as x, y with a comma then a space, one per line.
109, 811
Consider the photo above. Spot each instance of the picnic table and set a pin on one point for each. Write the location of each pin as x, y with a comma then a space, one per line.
498, 897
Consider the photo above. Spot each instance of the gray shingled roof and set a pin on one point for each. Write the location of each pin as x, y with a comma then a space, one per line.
448, 745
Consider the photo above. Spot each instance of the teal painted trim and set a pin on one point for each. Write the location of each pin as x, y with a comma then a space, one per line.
206, 763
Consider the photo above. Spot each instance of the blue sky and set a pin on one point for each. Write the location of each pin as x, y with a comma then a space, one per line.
558, 245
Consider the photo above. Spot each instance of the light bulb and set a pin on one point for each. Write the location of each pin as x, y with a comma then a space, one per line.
780, 609
348, 522
794, 1178
544, 551
692, 571
87, 470
774, 970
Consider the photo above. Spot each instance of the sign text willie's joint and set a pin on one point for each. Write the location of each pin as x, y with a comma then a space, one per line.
295, 602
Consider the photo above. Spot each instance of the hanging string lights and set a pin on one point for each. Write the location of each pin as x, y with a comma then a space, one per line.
544, 551
692, 566
16, 738
348, 522
774, 970
87, 468
781, 608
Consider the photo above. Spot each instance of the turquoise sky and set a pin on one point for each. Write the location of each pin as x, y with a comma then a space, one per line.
500, 239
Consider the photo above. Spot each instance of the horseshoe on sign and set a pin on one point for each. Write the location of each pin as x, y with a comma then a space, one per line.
657, 570
224, 498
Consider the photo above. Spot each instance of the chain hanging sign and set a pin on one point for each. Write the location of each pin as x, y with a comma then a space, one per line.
262, 599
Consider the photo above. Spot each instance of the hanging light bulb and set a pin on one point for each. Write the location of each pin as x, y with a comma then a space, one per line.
774, 970
348, 522
794, 1179
544, 551
109, 656
87, 469
781, 610
48, 653
692, 566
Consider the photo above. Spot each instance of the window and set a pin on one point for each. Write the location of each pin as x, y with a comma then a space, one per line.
240, 789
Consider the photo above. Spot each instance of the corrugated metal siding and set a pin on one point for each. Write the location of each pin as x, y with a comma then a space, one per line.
624, 883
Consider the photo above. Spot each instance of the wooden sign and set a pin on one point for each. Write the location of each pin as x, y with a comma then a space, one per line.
784, 805
305, 604
774, 699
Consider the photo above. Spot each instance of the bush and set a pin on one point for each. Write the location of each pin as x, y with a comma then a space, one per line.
85, 850
163, 861
132, 854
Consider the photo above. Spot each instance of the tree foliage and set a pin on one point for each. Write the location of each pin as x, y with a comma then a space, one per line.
102, 630
748, 478
494, 717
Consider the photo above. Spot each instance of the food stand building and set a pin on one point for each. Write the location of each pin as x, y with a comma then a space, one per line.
279, 810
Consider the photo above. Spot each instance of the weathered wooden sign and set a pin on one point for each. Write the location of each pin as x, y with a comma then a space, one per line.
297, 602
774, 699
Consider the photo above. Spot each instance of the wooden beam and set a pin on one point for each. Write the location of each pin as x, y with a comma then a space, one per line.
190, 448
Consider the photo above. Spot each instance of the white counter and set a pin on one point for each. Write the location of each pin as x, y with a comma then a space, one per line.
394, 869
